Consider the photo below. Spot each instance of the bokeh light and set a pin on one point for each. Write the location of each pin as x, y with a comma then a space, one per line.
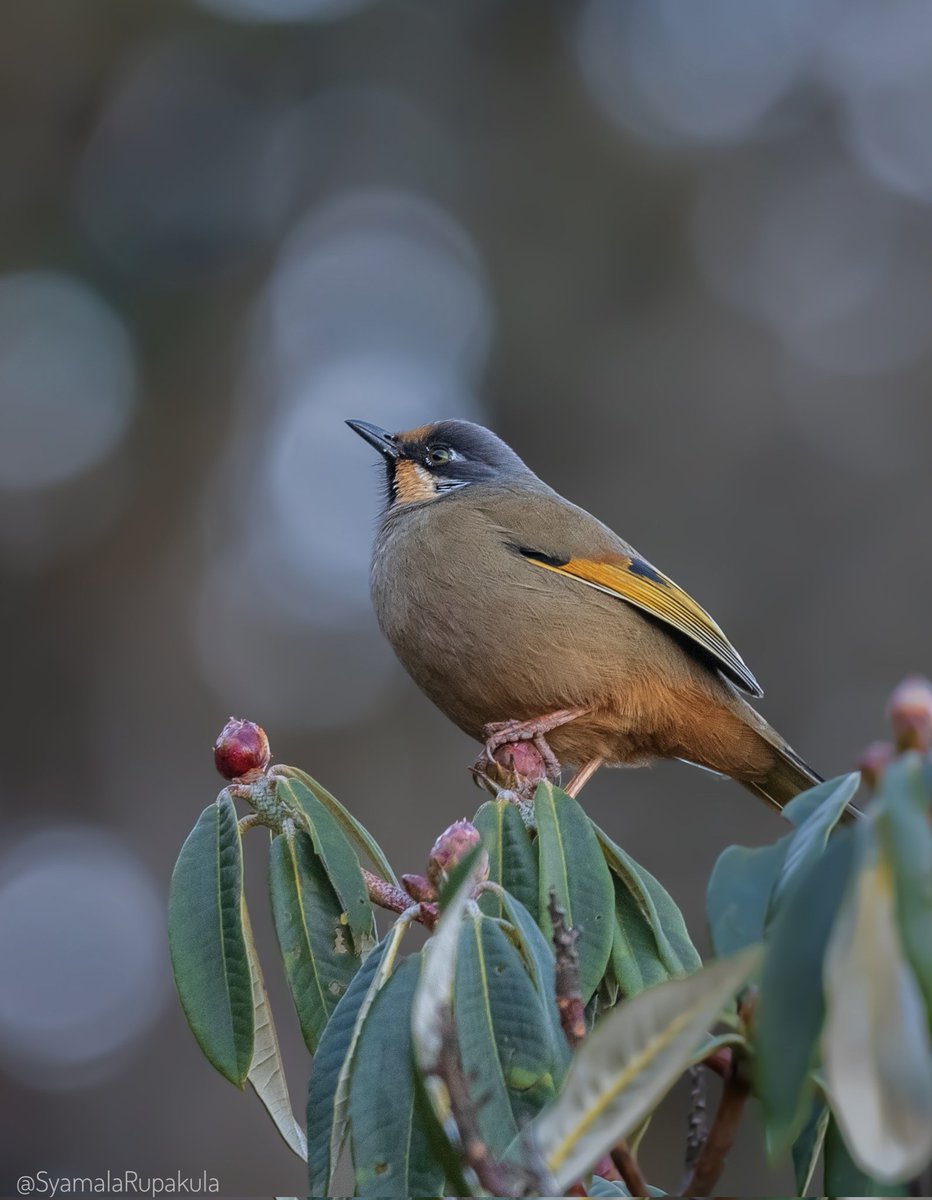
176, 182
377, 307
82, 946
67, 379
674, 73
273, 11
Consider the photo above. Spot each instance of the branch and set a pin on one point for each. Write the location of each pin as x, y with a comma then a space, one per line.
711, 1160
573, 1022
697, 1130
497, 1178
386, 895
569, 997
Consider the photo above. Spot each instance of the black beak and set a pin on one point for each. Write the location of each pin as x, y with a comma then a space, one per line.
383, 442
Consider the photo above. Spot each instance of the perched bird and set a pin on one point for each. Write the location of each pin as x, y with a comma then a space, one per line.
526, 619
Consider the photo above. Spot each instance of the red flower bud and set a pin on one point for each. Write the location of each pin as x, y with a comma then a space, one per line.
874, 760
241, 748
910, 714
451, 848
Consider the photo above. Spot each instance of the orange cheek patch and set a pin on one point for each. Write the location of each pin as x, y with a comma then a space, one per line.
413, 483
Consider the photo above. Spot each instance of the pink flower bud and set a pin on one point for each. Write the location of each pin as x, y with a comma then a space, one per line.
523, 758
418, 888
242, 748
910, 714
874, 760
451, 848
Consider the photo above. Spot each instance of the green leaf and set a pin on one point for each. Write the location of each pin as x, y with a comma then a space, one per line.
512, 855
628, 1064
505, 1042
825, 805
335, 851
363, 841
901, 817
433, 1001
875, 1045
808, 1146
791, 1008
636, 962
328, 1091
266, 1073
738, 896
388, 1128
314, 940
570, 862
207, 943
656, 906
843, 1178
539, 960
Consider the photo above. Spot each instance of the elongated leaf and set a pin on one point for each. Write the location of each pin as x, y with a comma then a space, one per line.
843, 1178
382, 969
629, 1063
505, 1041
207, 943
363, 841
791, 1008
825, 804
738, 896
314, 940
539, 960
571, 863
433, 1000
674, 945
512, 855
636, 962
808, 1146
335, 851
390, 1146
902, 821
266, 1073
876, 1051
325, 1132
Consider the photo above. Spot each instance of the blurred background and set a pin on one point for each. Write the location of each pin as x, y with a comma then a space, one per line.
679, 255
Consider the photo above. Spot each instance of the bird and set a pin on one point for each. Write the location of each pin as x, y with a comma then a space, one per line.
527, 620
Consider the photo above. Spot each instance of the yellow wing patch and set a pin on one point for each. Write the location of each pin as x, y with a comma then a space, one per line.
640, 584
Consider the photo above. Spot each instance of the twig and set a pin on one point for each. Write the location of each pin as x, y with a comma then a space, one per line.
569, 997
697, 1129
711, 1161
629, 1169
573, 1022
386, 895
497, 1178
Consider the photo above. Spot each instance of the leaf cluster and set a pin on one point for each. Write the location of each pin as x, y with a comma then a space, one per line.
451, 1069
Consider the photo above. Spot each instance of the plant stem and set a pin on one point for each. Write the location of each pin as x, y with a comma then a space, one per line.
569, 997
711, 1161
496, 1178
629, 1169
573, 1022
386, 895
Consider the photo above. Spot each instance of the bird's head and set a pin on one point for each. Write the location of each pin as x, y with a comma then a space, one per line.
436, 460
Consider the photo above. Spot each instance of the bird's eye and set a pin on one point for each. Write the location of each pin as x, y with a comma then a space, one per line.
438, 456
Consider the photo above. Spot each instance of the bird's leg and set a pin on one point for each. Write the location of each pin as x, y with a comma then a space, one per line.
582, 776
501, 733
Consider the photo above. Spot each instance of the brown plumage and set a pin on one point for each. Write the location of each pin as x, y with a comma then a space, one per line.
507, 603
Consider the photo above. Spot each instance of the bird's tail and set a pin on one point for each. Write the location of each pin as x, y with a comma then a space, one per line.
788, 776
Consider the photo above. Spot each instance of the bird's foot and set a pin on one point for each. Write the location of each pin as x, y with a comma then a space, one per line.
522, 747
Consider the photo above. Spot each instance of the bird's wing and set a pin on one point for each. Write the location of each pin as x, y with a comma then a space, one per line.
632, 579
